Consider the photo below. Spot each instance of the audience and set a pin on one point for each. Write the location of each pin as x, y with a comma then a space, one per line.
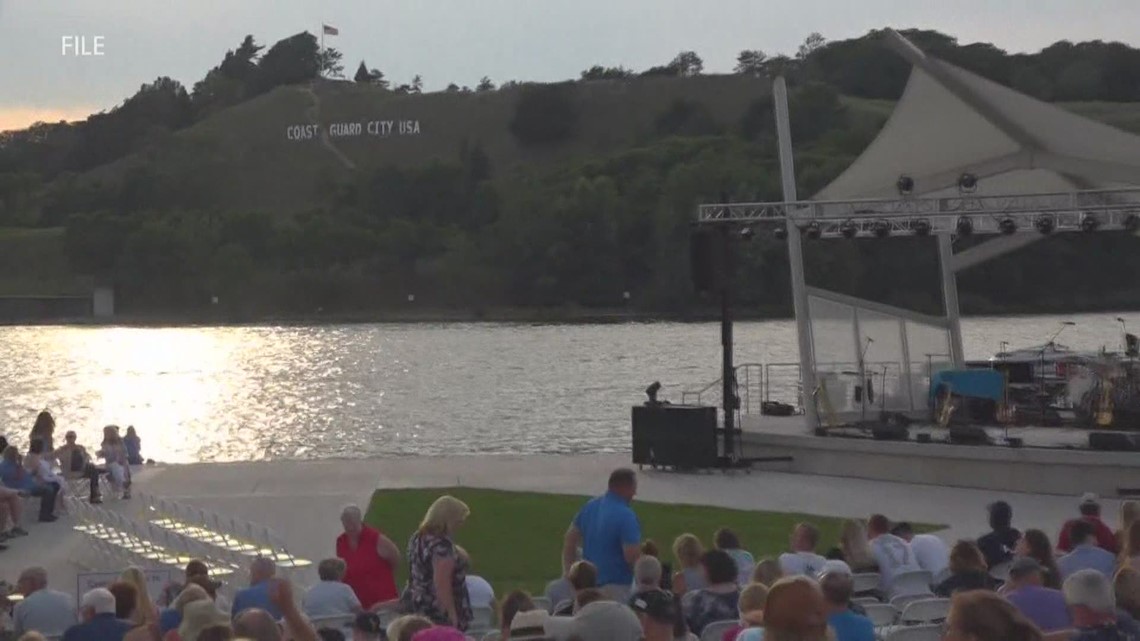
583, 576
97, 610
1035, 544
260, 625
408, 626
1130, 549
1090, 513
479, 590
1126, 585
514, 603
114, 452
968, 571
199, 618
437, 574
170, 618
767, 572
11, 507
649, 548
145, 611
133, 445
855, 549
751, 609
14, 476
76, 463
330, 596
126, 600
795, 611
1129, 514
658, 614
646, 575
38, 464
261, 574
837, 587
1092, 605
726, 540
602, 620
1085, 554
530, 625
1045, 607
42, 609
43, 431
930, 552
981, 615
998, 545
609, 534
687, 549
892, 554
802, 560
718, 601
370, 559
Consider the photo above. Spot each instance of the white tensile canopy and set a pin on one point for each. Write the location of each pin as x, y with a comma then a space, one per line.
950, 121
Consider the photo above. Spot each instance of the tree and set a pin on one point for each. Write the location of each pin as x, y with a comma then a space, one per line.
688, 63
362, 74
750, 62
417, 84
685, 118
377, 78
485, 84
294, 60
545, 114
329, 61
811, 44
598, 72
452, 88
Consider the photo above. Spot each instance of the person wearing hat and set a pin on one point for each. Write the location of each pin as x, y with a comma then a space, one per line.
600, 621
658, 613
1043, 606
532, 625
998, 545
836, 583
199, 616
1089, 508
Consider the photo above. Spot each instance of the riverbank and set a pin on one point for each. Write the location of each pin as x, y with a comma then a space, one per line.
301, 500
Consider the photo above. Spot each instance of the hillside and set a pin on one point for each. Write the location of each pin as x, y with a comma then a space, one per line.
241, 158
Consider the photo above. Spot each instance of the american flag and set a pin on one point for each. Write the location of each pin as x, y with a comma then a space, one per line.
330, 31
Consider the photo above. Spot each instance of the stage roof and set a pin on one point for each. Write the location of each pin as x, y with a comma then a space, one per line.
950, 121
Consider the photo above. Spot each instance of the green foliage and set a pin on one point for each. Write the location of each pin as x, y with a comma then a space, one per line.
293, 60
750, 62
598, 72
545, 114
686, 118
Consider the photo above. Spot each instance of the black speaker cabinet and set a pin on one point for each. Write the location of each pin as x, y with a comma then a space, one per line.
1112, 441
680, 436
706, 259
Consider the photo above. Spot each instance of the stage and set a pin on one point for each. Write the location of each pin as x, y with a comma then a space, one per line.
1051, 460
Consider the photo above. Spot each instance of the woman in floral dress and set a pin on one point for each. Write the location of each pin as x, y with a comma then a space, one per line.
437, 573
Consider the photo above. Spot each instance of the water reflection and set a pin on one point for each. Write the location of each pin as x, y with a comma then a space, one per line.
242, 393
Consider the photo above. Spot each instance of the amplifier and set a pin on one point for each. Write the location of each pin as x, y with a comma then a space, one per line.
680, 436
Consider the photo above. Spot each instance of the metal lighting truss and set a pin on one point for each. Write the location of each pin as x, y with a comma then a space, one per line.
1088, 210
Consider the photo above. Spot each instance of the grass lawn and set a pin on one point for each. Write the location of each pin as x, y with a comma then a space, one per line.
515, 538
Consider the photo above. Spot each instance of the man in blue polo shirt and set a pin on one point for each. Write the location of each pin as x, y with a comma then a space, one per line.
256, 596
609, 534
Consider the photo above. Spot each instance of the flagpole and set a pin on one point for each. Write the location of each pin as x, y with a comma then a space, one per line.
321, 72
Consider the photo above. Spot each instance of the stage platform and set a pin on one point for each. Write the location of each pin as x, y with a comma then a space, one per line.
1051, 460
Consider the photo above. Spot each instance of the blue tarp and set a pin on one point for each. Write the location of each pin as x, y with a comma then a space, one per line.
972, 383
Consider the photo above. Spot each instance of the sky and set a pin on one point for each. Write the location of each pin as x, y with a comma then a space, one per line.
463, 40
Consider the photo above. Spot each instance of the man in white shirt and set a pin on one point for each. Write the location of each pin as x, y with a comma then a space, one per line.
892, 554
803, 560
331, 597
930, 552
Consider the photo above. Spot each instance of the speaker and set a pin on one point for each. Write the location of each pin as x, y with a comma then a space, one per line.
968, 435
681, 436
1112, 441
706, 259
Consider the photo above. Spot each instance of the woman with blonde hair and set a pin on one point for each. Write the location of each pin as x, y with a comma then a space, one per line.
145, 610
1129, 514
687, 549
115, 453
854, 547
981, 615
437, 573
1130, 551
1126, 585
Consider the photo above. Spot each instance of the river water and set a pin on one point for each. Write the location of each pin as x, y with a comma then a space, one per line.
327, 391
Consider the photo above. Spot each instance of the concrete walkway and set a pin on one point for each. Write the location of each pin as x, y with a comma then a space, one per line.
301, 500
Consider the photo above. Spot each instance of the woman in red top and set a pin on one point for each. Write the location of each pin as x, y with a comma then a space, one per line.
369, 557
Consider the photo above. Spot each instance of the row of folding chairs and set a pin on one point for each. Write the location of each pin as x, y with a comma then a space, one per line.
231, 538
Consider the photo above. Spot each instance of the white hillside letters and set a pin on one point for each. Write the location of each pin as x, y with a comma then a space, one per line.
369, 128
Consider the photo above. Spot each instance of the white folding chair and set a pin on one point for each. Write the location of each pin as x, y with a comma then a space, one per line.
715, 630
881, 614
911, 582
342, 622
901, 601
493, 635
542, 603
482, 620
865, 582
925, 611
1000, 572
916, 633
866, 600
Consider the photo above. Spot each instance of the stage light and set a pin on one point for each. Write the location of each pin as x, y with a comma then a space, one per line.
881, 228
1007, 226
920, 227
967, 183
965, 226
746, 233
1045, 224
905, 185
1131, 222
849, 229
812, 230
1089, 222
781, 233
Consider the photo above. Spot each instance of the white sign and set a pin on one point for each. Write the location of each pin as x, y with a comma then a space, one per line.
156, 580
375, 128
82, 45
